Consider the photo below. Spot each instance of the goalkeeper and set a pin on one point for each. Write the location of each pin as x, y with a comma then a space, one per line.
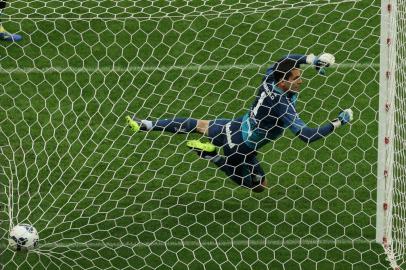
272, 112
4, 35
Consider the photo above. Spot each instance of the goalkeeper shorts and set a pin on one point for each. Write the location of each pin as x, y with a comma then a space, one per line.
226, 133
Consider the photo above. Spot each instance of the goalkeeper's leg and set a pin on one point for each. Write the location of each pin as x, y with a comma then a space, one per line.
174, 125
243, 170
242, 174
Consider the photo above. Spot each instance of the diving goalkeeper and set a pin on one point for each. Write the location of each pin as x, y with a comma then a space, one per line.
272, 112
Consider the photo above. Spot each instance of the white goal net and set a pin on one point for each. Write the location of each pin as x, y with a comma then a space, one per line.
102, 197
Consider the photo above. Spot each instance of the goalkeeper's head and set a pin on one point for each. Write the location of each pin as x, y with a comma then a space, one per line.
287, 75
2, 4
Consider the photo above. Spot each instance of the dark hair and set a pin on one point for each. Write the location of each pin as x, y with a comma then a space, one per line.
283, 68
2, 4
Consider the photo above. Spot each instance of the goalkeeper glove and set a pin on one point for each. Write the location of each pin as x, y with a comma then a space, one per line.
343, 118
320, 62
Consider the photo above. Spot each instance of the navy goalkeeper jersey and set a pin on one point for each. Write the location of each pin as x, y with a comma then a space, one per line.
273, 111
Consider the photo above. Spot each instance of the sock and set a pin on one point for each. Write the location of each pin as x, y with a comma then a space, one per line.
146, 125
176, 125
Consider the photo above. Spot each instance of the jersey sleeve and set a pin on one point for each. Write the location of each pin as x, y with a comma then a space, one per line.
292, 120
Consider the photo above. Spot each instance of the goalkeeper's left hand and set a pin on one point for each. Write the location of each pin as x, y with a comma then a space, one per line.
320, 62
343, 118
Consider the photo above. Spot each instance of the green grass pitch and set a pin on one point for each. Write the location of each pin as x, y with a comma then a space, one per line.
102, 198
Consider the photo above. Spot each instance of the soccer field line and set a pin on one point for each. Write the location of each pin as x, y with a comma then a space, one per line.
121, 69
234, 243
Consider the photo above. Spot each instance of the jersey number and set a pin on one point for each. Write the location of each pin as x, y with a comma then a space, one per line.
259, 103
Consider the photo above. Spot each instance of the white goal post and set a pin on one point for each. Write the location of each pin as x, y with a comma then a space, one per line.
391, 187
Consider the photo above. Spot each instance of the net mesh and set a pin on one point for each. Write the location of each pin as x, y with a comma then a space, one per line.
103, 198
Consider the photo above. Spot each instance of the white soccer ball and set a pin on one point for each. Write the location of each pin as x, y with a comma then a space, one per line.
23, 237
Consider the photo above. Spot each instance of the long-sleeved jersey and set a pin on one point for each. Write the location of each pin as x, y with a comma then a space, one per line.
273, 111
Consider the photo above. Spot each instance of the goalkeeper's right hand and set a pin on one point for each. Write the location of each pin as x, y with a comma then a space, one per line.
343, 118
321, 62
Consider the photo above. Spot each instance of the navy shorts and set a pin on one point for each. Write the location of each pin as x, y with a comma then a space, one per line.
226, 133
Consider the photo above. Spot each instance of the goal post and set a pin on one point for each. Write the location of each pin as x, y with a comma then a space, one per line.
391, 190
102, 197
386, 124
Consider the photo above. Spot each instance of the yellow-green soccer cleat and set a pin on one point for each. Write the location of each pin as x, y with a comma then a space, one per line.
6, 36
134, 124
203, 150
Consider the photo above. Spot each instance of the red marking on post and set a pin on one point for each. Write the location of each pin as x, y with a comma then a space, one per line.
388, 41
385, 241
387, 106
389, 7
385, 173
385, 206
386, 140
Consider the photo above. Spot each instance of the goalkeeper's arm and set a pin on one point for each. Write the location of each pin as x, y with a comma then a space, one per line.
319, 62
309, 135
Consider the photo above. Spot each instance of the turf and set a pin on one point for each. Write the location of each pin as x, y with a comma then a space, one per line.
103, 198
